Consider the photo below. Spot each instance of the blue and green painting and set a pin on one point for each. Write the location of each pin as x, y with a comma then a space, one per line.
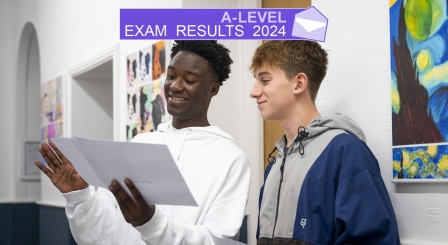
421, 162
419, 75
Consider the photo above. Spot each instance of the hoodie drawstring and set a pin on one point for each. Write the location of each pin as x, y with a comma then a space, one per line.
303, 134
164, 133
183, 142
272, 159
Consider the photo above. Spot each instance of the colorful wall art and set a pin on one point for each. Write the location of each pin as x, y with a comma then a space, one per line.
51, 109
419, 75
146, 104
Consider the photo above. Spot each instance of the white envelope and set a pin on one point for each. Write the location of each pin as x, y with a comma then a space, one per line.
310, 25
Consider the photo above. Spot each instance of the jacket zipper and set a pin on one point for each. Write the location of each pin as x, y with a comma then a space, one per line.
278, 195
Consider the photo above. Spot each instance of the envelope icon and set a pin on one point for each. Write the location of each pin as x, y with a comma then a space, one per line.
310, 24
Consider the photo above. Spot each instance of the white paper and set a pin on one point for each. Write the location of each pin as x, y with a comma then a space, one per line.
222, 241
150, 166
68, 148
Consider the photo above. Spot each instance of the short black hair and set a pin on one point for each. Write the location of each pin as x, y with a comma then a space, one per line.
216, 54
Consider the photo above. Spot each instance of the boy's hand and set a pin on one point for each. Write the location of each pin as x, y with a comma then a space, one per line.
136, 212
63, 174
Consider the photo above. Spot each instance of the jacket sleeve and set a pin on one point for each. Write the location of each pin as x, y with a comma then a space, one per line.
364, 212
223, 219
95, 218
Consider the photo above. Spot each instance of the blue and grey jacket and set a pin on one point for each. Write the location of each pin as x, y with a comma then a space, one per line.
326, 188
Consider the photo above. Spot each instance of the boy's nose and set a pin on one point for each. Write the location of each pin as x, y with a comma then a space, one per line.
255, 91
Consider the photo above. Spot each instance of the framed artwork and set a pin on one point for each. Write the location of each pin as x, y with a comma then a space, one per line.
31, 154
419, 89
51, 110
146, 104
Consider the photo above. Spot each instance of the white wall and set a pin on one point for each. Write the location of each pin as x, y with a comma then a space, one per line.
67, 32
26, 110
12, 189
6, 111
358, 84
92, 106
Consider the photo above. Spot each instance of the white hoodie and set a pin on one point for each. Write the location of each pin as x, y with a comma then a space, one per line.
214, 168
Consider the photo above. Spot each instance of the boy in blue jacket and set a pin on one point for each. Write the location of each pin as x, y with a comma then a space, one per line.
324, 186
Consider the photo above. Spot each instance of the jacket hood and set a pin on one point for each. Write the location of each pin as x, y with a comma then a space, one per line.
335, 121
318, 126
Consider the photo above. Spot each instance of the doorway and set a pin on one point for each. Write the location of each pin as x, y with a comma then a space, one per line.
92, 103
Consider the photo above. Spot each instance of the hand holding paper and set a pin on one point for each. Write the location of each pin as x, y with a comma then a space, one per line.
64, 175
136, 212
150, 167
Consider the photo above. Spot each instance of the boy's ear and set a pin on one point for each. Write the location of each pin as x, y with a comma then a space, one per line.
301, 83
214, 89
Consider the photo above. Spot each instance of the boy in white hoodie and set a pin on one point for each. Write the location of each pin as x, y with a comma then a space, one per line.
215, 169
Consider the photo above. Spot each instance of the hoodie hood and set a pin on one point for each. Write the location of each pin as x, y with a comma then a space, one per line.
189, 133
334, 121
212, 130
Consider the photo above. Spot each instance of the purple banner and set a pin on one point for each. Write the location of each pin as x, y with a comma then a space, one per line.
219, 24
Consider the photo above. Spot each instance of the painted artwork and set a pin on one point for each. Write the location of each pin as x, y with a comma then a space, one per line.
421, 162
131, 67
419, 75
159, 61
145, 65
51, 109
146, 104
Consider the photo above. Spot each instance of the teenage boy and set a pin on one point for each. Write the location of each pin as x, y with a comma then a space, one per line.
215, 169
324, 186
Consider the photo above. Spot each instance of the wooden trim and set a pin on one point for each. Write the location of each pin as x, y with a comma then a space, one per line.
286, 3
273, 131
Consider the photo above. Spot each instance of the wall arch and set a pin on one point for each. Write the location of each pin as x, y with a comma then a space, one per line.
28, 97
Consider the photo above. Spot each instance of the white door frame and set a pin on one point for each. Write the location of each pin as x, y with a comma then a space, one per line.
109, 53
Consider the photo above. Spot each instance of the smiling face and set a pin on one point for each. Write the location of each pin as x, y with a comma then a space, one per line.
189, 87
274, 93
